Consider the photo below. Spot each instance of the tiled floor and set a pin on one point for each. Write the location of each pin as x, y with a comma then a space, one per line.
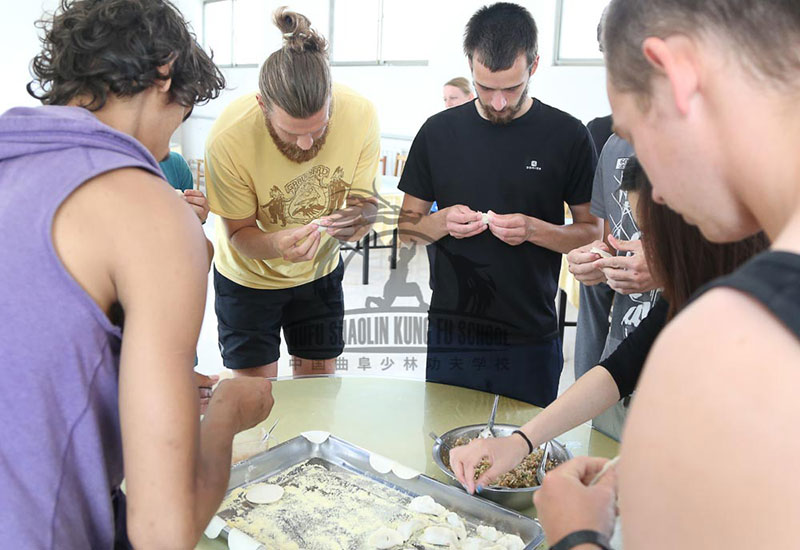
407, 362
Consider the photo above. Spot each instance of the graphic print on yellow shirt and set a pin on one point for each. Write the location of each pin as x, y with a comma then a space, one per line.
312, 195
247, 175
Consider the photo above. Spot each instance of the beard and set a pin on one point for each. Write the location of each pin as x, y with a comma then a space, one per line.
293, 152
506, 115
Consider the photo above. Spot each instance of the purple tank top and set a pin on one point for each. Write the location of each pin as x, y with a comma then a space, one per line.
60, 444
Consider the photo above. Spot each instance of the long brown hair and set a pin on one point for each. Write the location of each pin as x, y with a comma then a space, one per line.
297, 77
678, 255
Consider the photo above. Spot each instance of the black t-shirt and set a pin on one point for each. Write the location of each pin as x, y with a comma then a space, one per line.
625, 364
532, 166
601, 129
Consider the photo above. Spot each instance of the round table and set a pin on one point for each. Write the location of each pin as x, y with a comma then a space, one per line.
392, 417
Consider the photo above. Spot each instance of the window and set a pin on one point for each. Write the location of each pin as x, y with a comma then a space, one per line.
360, 32
218, 30
241, 34
576, 32
376, 32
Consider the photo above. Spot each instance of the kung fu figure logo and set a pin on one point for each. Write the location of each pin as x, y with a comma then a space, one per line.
307, 197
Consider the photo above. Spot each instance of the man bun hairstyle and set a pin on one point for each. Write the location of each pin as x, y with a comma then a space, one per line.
93, 48
496, 35
765, 34
297, 77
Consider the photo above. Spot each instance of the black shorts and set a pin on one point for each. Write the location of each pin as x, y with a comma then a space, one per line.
250, 320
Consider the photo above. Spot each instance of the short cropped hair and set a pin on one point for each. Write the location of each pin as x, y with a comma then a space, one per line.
496, 35
764, 33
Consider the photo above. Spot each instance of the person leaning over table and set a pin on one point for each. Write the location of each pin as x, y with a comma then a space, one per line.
707, 94
84, 210
685, 261
517, 160
299, 155
605, 321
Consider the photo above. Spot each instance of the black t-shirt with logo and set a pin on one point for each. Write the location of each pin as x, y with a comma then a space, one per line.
532, 166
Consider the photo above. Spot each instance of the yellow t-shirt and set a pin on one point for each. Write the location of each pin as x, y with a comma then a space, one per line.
246, 174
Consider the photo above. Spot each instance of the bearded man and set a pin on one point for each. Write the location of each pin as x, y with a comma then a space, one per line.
500, 168
298, 138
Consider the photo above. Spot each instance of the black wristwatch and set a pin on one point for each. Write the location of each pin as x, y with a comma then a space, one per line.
585, 536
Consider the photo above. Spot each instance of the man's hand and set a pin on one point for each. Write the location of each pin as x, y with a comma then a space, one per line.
199, 203
503, 453
513, 229
627, 274
566, 503
582, 263
299, 244
463, 222
248, 401
353, 221
205, 385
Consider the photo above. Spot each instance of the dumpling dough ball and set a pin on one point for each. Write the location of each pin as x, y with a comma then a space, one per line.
264, 493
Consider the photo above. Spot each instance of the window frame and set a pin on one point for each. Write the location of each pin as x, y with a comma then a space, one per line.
379, 62
570, 61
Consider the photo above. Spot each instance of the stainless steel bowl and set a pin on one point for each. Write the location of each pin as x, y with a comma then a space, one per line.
518, 499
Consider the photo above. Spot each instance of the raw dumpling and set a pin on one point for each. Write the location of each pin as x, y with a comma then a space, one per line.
511, 542
426, 505
440, 536
408, 528
457, 525
384, 538
488, 533
321, 228
264, 493
600, 251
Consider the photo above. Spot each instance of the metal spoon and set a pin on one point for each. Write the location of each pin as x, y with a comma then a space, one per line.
266, 435
487, 431
541, 470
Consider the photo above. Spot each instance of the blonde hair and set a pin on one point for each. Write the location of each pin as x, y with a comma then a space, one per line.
297, 77
461, 83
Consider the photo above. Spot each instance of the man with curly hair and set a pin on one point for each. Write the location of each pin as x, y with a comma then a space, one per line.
84, 212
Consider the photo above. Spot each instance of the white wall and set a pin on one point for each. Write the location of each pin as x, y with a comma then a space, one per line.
404, 96
19, 43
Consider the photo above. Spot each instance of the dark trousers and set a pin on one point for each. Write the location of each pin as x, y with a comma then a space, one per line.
527, 372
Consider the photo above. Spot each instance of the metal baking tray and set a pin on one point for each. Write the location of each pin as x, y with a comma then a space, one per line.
339, 455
